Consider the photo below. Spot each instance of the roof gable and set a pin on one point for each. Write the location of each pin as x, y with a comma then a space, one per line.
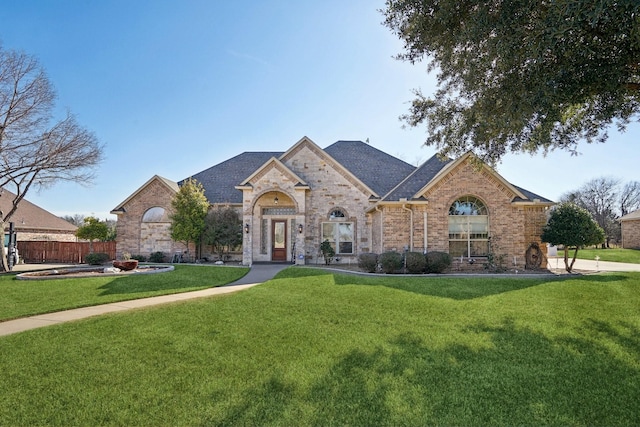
271, 164
449, 167
336, 164
171, 185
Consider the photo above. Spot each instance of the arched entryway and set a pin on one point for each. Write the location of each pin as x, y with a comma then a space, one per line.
276, 232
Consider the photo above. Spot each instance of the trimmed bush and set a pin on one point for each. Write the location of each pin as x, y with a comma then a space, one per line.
139, 258
327, 251
416, 262
156, 257
97, 258
368, 262
437, 262
390, 262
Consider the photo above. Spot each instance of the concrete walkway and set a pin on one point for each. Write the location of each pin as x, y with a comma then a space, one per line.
581, 265
259, 273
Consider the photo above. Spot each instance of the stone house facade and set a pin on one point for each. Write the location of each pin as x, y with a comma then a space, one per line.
358, 198
630, 228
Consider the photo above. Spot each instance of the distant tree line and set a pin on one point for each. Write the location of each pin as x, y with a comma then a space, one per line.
606, 199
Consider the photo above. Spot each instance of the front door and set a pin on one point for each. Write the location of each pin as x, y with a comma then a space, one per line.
279, 240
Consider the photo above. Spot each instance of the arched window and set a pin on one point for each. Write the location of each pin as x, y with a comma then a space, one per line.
155, 214
337, 214
468, 228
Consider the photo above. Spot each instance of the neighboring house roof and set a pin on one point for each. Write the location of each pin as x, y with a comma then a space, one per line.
378, 170
32, 217
219, 181
633, 216
173, 186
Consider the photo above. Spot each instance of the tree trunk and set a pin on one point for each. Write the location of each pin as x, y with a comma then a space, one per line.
567, 266
4, 263
575, 254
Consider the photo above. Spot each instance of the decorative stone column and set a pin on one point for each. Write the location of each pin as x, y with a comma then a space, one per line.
300, 240
247, 240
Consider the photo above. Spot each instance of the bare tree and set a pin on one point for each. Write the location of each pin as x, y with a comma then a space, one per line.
606, 199
36, 150
630, 197
75, 219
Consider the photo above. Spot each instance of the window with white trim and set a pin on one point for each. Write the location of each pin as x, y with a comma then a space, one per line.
340, 235
468, 228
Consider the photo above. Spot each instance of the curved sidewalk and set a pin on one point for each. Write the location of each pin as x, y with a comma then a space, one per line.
557, 264
259, 273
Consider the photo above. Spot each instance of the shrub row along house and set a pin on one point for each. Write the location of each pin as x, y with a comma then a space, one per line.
355, 196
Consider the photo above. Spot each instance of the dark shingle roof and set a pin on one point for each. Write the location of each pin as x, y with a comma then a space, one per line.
378, 170
418, 179
219, 181
530, 196
390, 177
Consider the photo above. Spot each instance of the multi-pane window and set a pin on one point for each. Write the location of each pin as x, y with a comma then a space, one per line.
340, 235
468, 228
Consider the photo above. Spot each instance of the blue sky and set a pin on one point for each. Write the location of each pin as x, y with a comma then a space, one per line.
174, 87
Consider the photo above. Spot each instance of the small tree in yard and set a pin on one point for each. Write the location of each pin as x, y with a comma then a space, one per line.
223, 230
189, 211
327, 251
93, 229
572, 227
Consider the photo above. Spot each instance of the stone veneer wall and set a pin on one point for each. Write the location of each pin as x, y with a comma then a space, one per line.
129, 225
330, 189
631, 234
24, 236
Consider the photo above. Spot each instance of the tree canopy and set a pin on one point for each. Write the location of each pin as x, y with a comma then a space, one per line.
93, 229
524, 76
223, 230
189, 211
573, 227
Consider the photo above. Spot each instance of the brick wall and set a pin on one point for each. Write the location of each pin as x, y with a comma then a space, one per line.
137, 238
631, 234
511, 227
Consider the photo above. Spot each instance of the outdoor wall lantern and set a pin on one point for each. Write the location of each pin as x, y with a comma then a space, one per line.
246, 228
300, 228
275, 200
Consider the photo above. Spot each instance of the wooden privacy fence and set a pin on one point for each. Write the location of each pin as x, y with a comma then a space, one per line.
40, 251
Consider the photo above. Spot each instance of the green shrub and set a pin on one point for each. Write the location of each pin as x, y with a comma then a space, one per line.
390, 262
327, 251
97, 258
416, 262
368, 262
156, 257
437, 262
139, 258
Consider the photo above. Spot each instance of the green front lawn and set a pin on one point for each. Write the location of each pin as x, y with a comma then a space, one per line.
614, 255
316, 348
20, 298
